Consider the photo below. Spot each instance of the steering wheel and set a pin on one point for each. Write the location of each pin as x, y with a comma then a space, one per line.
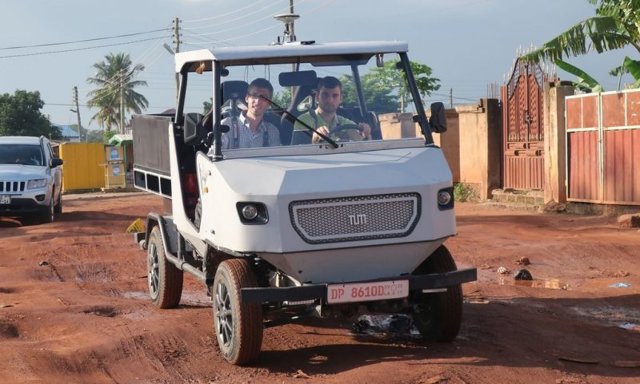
341, 132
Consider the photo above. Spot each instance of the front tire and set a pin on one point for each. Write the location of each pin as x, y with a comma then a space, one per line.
58, 207
438, 315
49, 215
164, 279
238, 324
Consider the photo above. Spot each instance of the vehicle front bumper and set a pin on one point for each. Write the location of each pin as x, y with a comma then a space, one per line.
319, 291
26, 204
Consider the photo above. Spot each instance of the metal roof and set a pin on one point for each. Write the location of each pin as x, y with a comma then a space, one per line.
295, 49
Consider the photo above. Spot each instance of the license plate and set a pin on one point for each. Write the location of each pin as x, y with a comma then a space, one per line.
5, 199
379, 290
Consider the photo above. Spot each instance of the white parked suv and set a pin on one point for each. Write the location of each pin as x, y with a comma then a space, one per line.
30, 178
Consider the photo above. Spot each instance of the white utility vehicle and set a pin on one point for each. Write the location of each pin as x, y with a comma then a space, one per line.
30, 179
280, 232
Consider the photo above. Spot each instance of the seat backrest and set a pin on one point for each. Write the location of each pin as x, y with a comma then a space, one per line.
234, 89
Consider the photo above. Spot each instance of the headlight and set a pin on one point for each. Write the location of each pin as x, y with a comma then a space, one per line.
37, 183
252, 213
249, 212
445, 198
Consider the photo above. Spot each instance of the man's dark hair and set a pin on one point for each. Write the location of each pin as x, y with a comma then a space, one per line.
261, 83
329, 82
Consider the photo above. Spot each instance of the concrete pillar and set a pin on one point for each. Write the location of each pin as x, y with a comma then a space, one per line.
481, 146
449, 142
555, 174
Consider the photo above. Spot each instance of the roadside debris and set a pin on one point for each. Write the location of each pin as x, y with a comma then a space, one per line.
300, 375
629, 221
620, 285
136, 226
523, 274
630, 326
396, 323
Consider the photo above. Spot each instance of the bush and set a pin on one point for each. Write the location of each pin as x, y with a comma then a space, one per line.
464, 192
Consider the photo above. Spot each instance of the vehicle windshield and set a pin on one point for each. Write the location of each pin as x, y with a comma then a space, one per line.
331, 100
25, 154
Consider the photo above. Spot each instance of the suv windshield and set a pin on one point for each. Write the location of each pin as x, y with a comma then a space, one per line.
25, 154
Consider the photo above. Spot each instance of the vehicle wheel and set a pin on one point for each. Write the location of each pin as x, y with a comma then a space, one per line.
50, 214
238, 325
438, 315
58, 207
164, 278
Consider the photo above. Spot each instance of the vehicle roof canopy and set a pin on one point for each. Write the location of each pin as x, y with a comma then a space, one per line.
282, 53
35, 140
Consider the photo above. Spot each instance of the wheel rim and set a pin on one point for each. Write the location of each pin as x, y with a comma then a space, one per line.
224, 315
153, 270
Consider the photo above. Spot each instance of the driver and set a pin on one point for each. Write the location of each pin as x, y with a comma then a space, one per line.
325, 119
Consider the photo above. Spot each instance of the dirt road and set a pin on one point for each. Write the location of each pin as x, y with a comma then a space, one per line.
74, 309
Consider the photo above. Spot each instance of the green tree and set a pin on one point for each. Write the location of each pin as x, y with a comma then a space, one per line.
385, 88
616, 25
20, 115
115, 94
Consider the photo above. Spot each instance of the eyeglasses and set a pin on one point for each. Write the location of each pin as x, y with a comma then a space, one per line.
257, 96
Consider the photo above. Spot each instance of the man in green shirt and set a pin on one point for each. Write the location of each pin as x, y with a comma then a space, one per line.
325, 119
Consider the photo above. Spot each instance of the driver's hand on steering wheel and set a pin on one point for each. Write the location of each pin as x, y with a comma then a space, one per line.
365, 131
316, 138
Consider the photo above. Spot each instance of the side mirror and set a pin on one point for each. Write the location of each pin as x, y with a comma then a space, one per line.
193, 128
438, 121
55, 162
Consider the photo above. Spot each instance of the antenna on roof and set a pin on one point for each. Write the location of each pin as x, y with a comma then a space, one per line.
288, 19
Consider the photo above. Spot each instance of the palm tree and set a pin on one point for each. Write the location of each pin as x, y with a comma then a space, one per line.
616, 25
115, 94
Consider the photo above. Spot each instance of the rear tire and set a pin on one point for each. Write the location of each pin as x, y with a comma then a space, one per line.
438, 315
164, 279
238, 324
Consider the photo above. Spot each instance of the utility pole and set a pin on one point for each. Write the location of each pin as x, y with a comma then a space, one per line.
77, 111
176, 41
121, 104
450, 97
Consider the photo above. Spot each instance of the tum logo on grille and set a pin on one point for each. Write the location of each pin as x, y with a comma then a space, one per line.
359, 219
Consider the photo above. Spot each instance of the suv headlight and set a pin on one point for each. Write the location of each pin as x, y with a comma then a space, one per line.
37, 183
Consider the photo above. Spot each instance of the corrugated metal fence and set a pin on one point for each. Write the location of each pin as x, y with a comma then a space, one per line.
83, 166
603, 147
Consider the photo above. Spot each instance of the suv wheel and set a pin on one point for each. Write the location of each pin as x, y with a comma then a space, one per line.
50, 214
58, 206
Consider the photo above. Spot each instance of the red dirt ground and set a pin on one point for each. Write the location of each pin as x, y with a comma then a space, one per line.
74, 309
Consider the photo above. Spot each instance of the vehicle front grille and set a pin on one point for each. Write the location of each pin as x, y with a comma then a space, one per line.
355, 218
12, 186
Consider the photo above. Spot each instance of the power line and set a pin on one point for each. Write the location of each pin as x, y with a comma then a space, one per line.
83, 41
81, 49
224, 15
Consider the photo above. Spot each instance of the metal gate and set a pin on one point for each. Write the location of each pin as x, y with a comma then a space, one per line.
522, 114
603, 147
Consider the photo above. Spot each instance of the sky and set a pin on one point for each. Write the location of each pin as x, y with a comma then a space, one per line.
51, 46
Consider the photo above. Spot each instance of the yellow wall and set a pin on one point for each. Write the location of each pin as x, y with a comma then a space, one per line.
83, 166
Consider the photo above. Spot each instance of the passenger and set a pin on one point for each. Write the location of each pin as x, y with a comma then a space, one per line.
250, 130
325, 119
